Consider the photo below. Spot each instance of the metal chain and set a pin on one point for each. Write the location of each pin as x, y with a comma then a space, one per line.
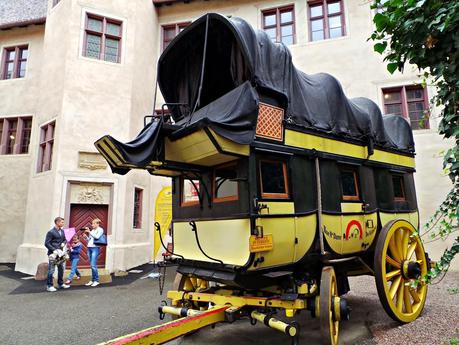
162, 276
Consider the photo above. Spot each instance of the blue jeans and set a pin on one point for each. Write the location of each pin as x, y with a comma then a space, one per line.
93, 253
74, 269
60, 273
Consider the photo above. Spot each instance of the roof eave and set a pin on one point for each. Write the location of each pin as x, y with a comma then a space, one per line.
24, 23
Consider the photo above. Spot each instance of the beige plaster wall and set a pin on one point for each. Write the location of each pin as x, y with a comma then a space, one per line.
17, 98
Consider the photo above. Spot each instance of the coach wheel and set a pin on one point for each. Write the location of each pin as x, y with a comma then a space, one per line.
399, 261
190, 284
329, 320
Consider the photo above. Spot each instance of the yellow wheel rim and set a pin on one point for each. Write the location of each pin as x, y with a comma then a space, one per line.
328, 291
400, 249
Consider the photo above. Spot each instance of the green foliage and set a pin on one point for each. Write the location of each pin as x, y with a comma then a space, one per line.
425, 33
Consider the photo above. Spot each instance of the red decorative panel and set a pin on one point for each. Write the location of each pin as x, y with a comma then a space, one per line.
270, 122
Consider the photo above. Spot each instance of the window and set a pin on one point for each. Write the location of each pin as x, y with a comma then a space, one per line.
172, 30
399, 189
326, 19
409, 102
349, 185
190, 192
15, 135
102, 38
279, 24
14, 62
225, 185
45, 154
274, 182
137, 217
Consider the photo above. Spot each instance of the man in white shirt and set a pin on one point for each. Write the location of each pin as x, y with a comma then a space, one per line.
93, 249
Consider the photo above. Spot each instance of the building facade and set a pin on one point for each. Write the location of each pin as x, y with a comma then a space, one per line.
74, 70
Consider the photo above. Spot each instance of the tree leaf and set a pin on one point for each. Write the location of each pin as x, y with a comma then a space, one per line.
392, 67
380, 47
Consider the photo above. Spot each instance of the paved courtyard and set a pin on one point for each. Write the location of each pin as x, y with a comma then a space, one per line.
82, 315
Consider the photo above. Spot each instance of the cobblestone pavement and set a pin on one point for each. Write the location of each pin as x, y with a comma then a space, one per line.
82, 315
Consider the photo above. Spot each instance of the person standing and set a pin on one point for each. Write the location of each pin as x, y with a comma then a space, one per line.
75, 251
94, 249
54, 242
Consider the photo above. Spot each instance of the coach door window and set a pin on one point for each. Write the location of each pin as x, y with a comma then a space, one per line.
274, 181
349, 184
399, 188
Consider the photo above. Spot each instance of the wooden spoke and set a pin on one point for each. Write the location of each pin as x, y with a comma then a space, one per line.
407, 299
400, 290
411, 249
394, 250
188, 285
398, 234
394, 287
194, 282
415, 295
392, 262
391, 275
405, 239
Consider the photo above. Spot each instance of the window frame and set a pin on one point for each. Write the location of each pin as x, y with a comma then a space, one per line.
264, 195
46, 147
184, 203
404, 102
402, 185
138, 205
325, 17
278, 26
214, 181
17, 148
16, 61
103, 35
176, 27
355, 173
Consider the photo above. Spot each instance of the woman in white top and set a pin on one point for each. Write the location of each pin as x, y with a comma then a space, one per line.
93, 249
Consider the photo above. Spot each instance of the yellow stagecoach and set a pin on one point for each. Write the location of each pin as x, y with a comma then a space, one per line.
282, 186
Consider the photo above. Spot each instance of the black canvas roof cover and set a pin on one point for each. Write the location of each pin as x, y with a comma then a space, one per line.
237, 54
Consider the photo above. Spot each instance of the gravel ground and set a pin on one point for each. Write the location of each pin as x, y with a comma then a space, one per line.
82, 315
437, 325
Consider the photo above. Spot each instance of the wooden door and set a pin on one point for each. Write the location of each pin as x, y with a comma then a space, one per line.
81, 215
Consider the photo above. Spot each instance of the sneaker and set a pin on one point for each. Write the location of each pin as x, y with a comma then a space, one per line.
95, 284
78, 278
68, 282
51, 289
64, 286
89, 283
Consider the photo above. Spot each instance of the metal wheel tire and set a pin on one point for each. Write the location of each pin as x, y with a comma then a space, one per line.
329, 328
399, 258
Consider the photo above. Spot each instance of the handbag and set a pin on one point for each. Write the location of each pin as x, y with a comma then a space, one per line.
101, 241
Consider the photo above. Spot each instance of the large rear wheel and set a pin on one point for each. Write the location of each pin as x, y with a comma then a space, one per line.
189, 284
400, 260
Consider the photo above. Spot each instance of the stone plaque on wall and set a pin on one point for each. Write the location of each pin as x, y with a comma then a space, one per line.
91, 160
89, 193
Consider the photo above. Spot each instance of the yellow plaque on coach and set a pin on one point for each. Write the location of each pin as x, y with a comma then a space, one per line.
261, 244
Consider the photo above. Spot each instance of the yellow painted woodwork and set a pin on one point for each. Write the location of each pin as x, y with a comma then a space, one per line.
412, 217
333, 146
164, 172
283, 232
197, 148
277, 207
358, 239
226, 240
305, 228
351, 207
230, 146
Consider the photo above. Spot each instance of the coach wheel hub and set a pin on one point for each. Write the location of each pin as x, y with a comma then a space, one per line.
411, 269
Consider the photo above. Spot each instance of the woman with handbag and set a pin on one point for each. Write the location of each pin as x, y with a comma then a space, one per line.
96, 238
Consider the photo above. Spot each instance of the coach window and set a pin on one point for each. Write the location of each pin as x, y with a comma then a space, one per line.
225, 186
190, 192
399, 188
349, 184
274, 181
